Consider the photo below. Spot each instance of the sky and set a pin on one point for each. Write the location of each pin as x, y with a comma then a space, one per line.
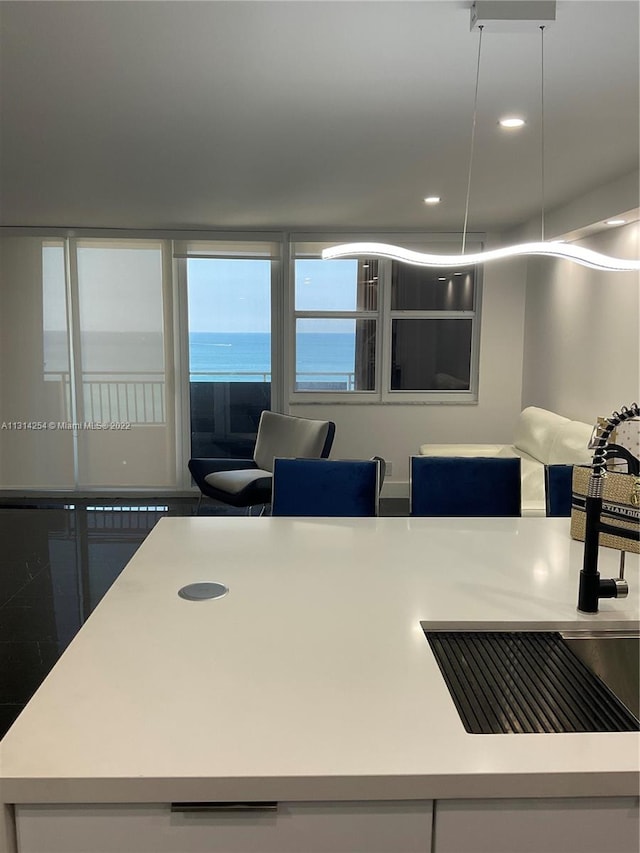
234, 295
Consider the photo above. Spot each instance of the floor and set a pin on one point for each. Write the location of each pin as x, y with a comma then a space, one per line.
57, 560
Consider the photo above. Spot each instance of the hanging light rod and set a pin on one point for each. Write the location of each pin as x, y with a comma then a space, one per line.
499, 15
578, 254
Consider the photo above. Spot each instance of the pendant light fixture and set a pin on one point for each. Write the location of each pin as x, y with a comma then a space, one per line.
550, 248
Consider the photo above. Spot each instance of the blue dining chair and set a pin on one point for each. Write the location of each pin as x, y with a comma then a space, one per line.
325, 487
558, 489
465, 486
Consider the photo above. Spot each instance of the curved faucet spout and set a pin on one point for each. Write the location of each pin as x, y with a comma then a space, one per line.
592, 587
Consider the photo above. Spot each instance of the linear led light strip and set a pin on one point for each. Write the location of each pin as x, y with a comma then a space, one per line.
577, 254
586, 257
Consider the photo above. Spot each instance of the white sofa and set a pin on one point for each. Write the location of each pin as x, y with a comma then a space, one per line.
540, 438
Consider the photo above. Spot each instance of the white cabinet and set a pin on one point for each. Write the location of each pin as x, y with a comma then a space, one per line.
586, 825
576, 825
329, 827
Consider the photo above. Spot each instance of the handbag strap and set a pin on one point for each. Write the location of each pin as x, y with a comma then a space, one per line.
615, 451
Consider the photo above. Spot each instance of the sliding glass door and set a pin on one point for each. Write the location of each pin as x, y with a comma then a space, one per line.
230, 342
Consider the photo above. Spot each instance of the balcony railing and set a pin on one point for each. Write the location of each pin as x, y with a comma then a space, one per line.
325, 381
340, 380
139, 397
106, 397
230, 376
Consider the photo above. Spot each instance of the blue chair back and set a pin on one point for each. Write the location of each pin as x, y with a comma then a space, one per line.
558, 489
465, 486
325, 487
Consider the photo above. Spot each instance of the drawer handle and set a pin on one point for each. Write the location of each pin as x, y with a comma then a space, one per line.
224, 807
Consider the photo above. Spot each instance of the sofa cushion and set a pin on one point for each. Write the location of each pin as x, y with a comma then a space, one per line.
535, 432
571, 444
532, 489
467, 450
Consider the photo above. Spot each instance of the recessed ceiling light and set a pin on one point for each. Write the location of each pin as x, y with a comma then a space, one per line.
615, 221
432, 199
511, 122
442, 278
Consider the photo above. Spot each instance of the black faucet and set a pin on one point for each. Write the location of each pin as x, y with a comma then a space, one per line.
592, 587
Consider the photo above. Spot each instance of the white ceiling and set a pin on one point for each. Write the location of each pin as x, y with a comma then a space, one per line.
310, 114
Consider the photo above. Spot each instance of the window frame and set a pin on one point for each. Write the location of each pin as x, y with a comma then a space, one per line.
302, 397
262, 245
384, 316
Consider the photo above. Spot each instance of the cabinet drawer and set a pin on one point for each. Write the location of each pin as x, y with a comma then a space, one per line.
585, 825
327, 827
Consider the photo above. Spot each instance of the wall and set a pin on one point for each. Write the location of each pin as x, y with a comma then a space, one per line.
581, 351
595, 205
580, 358
397, 431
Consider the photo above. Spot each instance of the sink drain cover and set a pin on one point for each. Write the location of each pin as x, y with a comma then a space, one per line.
202, 591
513, 682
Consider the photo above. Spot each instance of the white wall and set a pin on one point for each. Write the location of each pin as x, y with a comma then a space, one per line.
397, 431
581, 352
595, 205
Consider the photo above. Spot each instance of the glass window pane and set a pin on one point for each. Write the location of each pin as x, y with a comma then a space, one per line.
431, 355
335, 355
229, 320
431, 289
340, 285
229, 353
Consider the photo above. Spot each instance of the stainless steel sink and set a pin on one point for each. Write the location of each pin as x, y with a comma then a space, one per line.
517, 682
614, 658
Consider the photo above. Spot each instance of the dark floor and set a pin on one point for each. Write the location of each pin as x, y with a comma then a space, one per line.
57, 560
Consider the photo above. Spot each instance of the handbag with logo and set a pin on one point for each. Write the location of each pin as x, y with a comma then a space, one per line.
620, 517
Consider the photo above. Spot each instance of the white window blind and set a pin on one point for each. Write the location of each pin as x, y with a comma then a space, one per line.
36, 451
86, 360
227, 248
121, 361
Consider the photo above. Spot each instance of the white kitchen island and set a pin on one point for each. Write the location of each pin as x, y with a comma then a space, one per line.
311, 685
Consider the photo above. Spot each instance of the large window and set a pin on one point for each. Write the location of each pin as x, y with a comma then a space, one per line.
432, 313
381, 330
336, 319
122, 357
229, 353
230, 319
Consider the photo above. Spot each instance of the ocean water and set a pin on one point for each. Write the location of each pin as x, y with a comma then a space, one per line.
247, 356
213, 356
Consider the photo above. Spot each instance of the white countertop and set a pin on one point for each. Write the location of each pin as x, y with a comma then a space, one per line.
312, 679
